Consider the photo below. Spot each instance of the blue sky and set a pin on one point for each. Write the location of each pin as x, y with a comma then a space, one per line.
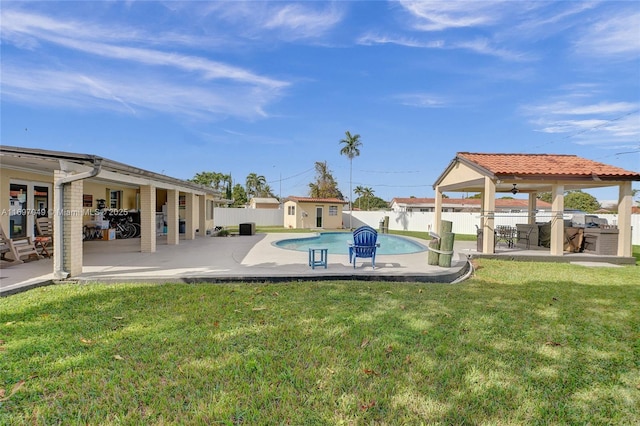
181, 87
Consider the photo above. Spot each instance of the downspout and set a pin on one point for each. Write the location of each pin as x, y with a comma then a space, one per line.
58, 188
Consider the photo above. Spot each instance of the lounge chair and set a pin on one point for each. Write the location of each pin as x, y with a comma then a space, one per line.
17, 248
365, 243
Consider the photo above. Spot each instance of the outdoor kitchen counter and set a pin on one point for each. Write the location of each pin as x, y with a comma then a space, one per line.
603, 241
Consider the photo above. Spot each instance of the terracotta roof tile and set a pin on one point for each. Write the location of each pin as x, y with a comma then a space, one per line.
500, 202
545, 164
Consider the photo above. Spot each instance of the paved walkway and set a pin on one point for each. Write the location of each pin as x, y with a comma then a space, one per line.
237, 259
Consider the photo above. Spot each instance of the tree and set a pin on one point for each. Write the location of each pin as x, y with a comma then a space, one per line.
575, 200
359, 192
239, 196
214, 180
325, 185
255, 184
368, 193
351, 148
579, 200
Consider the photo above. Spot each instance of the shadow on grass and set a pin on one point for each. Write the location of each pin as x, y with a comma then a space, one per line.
324, 353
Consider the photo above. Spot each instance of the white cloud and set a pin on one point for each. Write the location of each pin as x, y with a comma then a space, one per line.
291, 21
371, 39
442, 15
421, 100
613, 36
122, 77
299, 21
607, 124
133, 94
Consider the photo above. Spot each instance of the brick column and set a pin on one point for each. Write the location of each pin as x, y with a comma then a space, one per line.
147, 219
191, 215
173, 235
202, 215
72, 224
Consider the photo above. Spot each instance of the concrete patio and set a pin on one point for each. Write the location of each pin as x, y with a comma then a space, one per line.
229, 259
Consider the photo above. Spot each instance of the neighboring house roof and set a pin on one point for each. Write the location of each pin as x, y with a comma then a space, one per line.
259, 200
469, 202
546, 165
316, 200
635, 210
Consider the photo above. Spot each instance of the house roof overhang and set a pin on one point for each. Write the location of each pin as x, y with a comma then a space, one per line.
45, 162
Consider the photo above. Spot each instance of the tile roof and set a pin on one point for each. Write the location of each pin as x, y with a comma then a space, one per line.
500, 202
316, 200
546, 164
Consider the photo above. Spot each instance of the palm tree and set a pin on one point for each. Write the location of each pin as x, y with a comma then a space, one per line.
368, 192
351, 149
255, 184
359, 191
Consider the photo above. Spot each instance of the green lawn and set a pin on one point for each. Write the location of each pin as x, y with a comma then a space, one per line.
519, 343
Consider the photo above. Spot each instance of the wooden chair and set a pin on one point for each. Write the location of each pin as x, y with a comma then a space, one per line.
18, 248
44, 240
365, 243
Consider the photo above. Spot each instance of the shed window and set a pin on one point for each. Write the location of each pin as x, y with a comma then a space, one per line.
291, 210
333, 210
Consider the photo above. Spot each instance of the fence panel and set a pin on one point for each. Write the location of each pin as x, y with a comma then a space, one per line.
463, 222
224, 216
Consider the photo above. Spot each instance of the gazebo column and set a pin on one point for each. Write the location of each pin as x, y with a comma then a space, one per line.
438, 211
488, 212
625, 200
532, 208
557, 222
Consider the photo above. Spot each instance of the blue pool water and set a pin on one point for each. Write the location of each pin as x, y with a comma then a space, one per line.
337, 243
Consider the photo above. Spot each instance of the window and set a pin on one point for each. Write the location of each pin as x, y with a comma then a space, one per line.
291, 210
115, 199
333, 210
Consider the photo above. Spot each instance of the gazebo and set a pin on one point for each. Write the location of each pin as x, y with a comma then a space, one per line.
532, 174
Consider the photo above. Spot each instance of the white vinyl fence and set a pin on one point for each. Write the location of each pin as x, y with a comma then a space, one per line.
223, 216
463, 223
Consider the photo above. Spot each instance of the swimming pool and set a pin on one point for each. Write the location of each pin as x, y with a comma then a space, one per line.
337, 243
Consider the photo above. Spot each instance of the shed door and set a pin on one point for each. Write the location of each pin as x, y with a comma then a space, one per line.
318, 216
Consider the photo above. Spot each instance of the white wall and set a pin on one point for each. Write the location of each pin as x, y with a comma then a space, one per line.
463, 223
234, 216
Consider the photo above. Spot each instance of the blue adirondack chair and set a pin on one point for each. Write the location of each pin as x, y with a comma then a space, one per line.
365, 243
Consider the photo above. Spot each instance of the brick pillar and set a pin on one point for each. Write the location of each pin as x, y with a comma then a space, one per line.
147, 219
72, 228
191, 215
202, 215
173, 235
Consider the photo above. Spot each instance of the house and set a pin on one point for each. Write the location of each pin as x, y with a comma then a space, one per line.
490, 174
503, 205
75, 190
308, 213
264, 203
